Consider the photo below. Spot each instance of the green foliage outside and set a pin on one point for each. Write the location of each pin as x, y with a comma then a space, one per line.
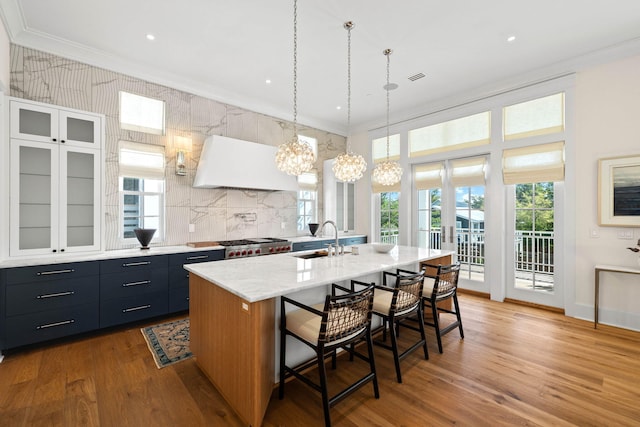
534, 207
389, 204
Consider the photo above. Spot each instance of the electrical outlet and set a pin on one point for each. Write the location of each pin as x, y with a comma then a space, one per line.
594, 233
192, 228
283, 225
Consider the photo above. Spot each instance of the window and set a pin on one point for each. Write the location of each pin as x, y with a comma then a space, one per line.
308, 191
540, 116
142, 205
380, 148
141, 188
141, 114
389, 217
464, 132
307, 200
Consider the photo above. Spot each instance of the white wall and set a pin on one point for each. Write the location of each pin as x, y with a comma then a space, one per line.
4, 58
607, 125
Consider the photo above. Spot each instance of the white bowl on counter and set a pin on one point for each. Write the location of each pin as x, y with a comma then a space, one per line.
383, 248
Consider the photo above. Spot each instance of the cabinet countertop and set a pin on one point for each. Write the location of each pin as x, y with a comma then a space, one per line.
259, 278
133, 252
98, 256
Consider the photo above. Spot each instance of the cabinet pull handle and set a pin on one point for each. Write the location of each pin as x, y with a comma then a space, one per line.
142, 282
142, 307
51, 325
46, 273
59, 294
134, 264
197, 257
187, 276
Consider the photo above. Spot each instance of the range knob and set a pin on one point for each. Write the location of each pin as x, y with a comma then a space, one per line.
271, 250
250, 252
231, 254
258, 251
244, 253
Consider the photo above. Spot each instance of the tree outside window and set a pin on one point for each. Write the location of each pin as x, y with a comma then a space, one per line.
389, 217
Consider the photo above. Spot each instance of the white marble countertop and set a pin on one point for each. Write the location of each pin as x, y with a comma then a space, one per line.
259, 278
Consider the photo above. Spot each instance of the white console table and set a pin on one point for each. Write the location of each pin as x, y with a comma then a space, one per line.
613, 269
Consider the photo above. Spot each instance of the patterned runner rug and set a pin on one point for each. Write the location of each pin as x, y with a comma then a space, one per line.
168, 342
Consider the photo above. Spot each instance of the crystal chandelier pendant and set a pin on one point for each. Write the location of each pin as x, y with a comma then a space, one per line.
387, 172
295, 157
349, 167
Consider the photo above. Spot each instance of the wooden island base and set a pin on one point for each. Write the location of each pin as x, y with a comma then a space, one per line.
233, 342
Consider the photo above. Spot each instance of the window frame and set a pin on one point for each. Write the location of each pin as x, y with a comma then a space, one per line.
159, 236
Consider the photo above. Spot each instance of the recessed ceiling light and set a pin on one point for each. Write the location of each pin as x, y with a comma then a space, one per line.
268, 81
511, 39
151, 37
338, 107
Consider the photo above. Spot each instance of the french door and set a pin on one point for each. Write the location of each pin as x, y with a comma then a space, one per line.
534, 246
451, 216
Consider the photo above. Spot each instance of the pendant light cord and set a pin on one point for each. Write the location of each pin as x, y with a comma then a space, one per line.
387, 52
349, 26
295, 69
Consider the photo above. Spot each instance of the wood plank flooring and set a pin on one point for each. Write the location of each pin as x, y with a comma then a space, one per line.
516, 366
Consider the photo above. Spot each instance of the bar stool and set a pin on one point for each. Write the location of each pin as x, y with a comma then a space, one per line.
395, 304
341, 322
443, 286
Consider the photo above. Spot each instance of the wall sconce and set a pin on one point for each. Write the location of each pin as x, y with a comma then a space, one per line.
182, 146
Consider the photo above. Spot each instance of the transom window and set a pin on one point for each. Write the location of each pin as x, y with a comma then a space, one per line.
141, 114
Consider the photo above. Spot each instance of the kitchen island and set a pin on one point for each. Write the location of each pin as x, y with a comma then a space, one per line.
234, 320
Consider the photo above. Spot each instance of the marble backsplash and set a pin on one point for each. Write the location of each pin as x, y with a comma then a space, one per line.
218, 214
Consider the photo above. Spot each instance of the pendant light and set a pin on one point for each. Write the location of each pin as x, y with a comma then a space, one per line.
295, 157
347, 166
387, 172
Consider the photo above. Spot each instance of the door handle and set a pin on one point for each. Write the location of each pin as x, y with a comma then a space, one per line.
444, 233
451, 234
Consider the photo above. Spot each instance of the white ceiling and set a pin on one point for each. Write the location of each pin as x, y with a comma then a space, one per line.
226, 49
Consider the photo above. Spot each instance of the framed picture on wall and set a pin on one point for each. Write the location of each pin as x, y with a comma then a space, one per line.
619, 191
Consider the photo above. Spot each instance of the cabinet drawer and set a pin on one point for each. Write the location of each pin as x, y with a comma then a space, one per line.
36, 327
178, 277
348, 241
307, 246
48, 272
179, 299
132, 282
23, 298
124, 310
200, 256
121, 265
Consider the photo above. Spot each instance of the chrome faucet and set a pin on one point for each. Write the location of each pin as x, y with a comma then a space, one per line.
335, 227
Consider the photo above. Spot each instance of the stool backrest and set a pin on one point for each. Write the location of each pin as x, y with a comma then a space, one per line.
409, 292
346, 316
446, 281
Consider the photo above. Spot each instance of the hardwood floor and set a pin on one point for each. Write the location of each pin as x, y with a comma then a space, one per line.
516, 366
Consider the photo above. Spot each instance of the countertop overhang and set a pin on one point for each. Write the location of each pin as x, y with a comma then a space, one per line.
258, 278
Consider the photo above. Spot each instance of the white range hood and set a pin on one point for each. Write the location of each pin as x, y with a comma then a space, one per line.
229, 162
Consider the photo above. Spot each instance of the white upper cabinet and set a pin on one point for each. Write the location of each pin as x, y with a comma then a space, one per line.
35, 121
55, 180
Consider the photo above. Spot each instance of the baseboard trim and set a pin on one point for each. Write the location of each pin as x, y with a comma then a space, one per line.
474, 293
540, 306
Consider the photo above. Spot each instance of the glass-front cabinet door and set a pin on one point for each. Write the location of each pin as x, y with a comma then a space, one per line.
34, 196
55, 198
40, 122
79, 199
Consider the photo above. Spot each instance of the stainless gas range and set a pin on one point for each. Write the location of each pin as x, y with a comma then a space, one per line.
254, 247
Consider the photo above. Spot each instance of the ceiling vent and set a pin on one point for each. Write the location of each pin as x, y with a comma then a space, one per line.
416, 77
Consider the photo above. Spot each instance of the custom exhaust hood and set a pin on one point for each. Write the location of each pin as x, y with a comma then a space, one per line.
229, 162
